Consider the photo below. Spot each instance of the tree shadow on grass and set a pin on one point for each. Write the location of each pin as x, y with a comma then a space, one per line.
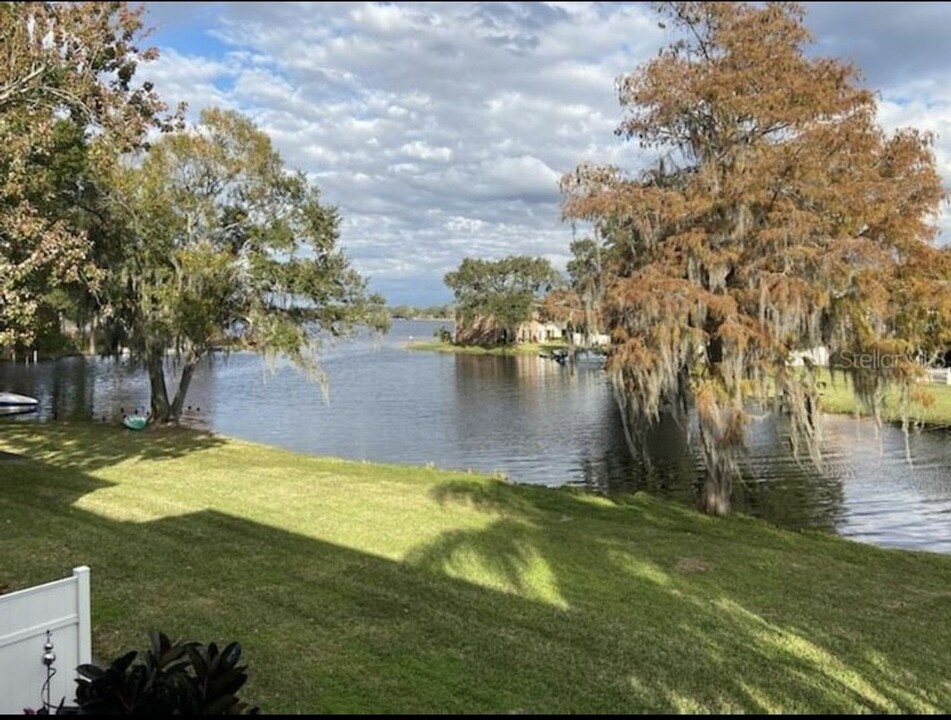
619, 623
719, 614
87, 446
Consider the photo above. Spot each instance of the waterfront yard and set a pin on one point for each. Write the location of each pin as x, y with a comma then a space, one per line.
367, 588
934, 408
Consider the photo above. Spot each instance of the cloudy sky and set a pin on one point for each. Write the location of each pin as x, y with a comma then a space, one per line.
441, 129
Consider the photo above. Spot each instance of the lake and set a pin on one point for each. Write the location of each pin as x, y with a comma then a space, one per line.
529, 419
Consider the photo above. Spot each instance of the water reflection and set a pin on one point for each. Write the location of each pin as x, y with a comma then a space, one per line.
521, 414
527, 417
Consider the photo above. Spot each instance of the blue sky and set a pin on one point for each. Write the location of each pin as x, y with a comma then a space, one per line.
441, 129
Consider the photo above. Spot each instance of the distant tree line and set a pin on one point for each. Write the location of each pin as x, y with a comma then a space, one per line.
412, 312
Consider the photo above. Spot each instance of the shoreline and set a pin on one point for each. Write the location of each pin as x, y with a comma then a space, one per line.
423, 319
185, 430
837, 397
501, 350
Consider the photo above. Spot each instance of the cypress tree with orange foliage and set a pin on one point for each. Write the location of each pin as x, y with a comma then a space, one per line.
777, 216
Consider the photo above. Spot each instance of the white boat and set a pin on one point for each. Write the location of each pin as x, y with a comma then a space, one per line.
10, 410
8, 399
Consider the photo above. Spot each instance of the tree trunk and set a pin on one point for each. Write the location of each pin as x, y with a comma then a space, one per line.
161, 410
90, 330
716, 495
720, 469
187, 371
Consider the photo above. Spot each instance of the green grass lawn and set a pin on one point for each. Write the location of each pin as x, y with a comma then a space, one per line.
515, 349
839, 398
357, 587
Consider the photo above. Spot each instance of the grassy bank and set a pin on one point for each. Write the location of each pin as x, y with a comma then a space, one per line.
360, 587
838, 398
515, 349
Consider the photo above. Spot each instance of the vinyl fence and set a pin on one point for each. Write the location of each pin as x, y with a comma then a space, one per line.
941, 376
60, 607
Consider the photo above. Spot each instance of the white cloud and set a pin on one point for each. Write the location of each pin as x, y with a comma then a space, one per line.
441, 129
425, 151
382, 18
459, 224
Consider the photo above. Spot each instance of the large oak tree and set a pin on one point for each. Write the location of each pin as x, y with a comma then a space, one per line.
218, 242
776, 217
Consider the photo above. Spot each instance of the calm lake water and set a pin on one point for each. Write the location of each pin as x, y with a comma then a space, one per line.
529, 418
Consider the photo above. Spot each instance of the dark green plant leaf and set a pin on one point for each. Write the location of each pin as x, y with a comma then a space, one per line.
93, 672
171, 678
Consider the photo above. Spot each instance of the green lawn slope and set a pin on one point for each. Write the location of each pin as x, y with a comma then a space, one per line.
368, 588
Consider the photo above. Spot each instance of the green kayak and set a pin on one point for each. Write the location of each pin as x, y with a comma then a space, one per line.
135, 422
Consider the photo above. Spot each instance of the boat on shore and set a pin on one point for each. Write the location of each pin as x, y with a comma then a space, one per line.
135, 422
15, 404
9, 399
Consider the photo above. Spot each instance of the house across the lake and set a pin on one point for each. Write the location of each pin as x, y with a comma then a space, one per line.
538, 330
485, 330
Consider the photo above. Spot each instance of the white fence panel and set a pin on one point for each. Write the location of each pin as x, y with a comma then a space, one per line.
941, 376
62, 607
